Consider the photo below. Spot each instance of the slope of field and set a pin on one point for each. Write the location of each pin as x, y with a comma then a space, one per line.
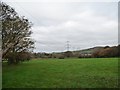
62, 73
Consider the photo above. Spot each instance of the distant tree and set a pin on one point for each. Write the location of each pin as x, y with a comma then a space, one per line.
68, 54
95, 54
107, 52
114, 52
106, 47
61, 56
15, 33
80, 56
118, 48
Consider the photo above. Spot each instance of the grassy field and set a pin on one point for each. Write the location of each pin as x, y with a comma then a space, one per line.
62, 73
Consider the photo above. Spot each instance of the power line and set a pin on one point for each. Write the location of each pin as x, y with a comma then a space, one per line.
68, 45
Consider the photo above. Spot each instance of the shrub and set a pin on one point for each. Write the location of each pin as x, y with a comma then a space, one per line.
16, 57
61, 57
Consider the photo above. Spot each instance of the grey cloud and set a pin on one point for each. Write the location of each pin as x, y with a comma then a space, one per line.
83, 24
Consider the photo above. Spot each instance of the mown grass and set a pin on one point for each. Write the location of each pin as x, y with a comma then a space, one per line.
62, 73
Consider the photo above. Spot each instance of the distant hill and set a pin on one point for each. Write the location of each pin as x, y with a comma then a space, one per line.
89, 50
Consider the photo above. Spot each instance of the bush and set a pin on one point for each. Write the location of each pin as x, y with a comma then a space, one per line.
16, 57
61, 57
80, 56
68, 54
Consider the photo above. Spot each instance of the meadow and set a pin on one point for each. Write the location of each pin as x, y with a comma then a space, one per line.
62, 73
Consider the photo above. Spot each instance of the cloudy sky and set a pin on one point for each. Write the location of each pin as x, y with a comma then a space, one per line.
83, 24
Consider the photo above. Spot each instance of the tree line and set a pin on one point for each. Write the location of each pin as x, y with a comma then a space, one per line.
104, 52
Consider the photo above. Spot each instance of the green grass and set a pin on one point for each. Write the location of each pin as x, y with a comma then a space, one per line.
0, 75
62, 73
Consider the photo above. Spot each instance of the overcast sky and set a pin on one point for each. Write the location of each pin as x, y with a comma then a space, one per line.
83, 24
